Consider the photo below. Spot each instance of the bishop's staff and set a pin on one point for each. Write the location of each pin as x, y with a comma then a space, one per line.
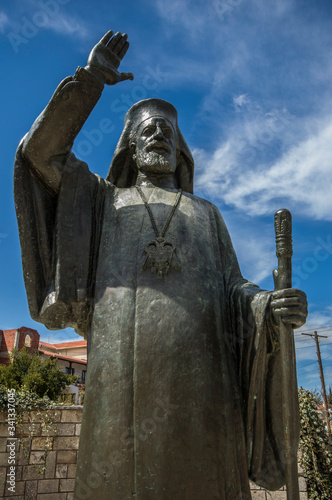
290, 408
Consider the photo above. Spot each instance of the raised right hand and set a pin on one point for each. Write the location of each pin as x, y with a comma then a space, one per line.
105, 58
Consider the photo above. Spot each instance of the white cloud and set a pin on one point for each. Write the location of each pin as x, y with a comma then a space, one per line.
3, 21
191, 17
301, 176
240, 101
68, 25
40, 17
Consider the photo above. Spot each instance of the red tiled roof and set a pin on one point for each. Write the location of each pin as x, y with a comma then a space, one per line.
76, 343
66, 358
46, 344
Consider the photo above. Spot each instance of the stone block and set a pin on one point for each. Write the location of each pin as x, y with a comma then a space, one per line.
3, 444
14, 497
48, 486
38, 443
74, 415
303, 495
66, 443
3, 472
258, 495
276, 495
78, 430
3, 429
48, 415
61, 471
19, 473
24, 453
29, 429
70, 496
30, 473
254, 486
3, 416
65, 429
67, 484
31, 490
66, 457
19, 489
302, 484
71, 471
52, 496
3, 459
36, 457
26, 417
50, 465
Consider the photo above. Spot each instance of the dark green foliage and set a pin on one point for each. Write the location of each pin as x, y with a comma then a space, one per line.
39, 376
329, 395
24, 400
316, 455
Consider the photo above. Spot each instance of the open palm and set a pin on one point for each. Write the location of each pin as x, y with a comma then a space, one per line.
106, 56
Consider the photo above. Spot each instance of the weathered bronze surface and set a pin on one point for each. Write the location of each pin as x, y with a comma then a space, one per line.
183, 389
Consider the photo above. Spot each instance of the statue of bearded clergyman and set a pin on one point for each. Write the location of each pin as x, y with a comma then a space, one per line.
183, 388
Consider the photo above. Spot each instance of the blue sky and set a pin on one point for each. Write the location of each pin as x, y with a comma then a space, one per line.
251, 80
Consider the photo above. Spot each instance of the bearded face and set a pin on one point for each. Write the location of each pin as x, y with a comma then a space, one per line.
155, 149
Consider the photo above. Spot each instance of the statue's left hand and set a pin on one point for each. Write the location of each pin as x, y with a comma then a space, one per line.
106, 56
290, 304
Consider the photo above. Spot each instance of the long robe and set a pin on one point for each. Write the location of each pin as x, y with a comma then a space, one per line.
183, 388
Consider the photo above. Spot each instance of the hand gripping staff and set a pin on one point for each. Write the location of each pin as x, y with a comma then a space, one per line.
290, 407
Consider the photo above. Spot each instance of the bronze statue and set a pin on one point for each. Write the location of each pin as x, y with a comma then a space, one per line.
183, 389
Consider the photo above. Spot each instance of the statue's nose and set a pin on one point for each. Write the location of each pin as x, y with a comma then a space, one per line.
158, 133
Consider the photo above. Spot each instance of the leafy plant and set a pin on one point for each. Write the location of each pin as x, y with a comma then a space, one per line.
40, 376
38, 383
316, 455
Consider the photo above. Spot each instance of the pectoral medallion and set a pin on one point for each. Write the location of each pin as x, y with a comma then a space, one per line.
160, 257
160, 254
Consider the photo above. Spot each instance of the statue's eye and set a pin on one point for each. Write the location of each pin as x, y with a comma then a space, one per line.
148, 130
167, 132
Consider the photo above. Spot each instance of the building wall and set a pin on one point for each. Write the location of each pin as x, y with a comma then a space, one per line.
76, 352
18, 338
57, 483
78, 367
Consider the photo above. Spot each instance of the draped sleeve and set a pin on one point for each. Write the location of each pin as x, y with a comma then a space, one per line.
59, 238
59, 205
252, 338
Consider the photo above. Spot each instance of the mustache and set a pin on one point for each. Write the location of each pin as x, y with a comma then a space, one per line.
159, 145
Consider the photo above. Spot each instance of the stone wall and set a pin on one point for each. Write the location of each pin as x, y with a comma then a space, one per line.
57, 482
261, 494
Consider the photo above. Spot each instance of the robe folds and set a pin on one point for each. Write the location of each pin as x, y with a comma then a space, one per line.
182, 397
183, 391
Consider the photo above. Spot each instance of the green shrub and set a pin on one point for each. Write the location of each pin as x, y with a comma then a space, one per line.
316, 455
40, 376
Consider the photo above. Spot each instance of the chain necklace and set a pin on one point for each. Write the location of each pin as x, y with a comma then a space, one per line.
160, 254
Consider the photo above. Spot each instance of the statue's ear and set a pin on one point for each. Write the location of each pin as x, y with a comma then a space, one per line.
184, 173
132, 148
